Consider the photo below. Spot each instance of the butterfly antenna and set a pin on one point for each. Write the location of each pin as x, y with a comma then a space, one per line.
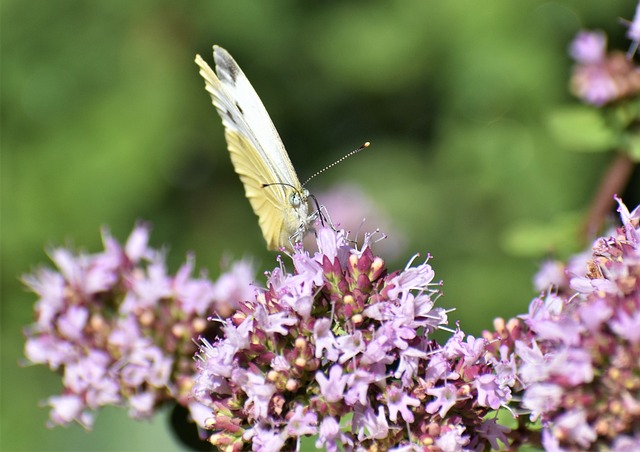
341, 159
278, 183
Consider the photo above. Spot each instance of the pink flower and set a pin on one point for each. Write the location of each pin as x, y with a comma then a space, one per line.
588, 47
332, 388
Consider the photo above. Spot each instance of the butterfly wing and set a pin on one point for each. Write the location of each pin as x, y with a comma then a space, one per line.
270, 204
260, 126
257, 152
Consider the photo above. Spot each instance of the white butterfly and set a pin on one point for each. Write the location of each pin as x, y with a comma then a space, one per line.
257, 154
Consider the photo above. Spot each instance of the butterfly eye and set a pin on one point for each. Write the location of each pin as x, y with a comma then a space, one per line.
294, 199
298, 197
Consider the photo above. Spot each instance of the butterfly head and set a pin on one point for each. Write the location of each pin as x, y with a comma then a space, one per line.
299, 202
298, 198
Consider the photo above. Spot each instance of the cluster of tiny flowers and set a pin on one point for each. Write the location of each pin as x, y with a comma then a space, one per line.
342, 349
599, 78
578, 348
119, 328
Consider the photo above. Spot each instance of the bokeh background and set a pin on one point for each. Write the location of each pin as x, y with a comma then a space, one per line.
105, 121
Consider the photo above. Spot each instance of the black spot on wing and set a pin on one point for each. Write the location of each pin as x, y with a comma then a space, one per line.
230, 115
230, 66
226, 67
239, 108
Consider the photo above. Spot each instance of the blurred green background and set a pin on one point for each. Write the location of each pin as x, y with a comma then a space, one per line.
105, 121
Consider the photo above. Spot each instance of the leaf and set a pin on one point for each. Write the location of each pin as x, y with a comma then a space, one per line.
632, 146
560, 236
582, 129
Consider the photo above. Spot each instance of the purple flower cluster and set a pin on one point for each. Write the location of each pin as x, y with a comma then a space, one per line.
342, 349
578, 348
119, 328
599, 78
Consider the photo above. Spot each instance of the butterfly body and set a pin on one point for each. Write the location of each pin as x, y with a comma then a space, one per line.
257, 153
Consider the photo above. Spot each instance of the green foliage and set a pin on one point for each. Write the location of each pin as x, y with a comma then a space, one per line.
582, 129
105, 121
560, 235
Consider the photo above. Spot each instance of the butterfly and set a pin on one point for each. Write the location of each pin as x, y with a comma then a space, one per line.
257, 153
